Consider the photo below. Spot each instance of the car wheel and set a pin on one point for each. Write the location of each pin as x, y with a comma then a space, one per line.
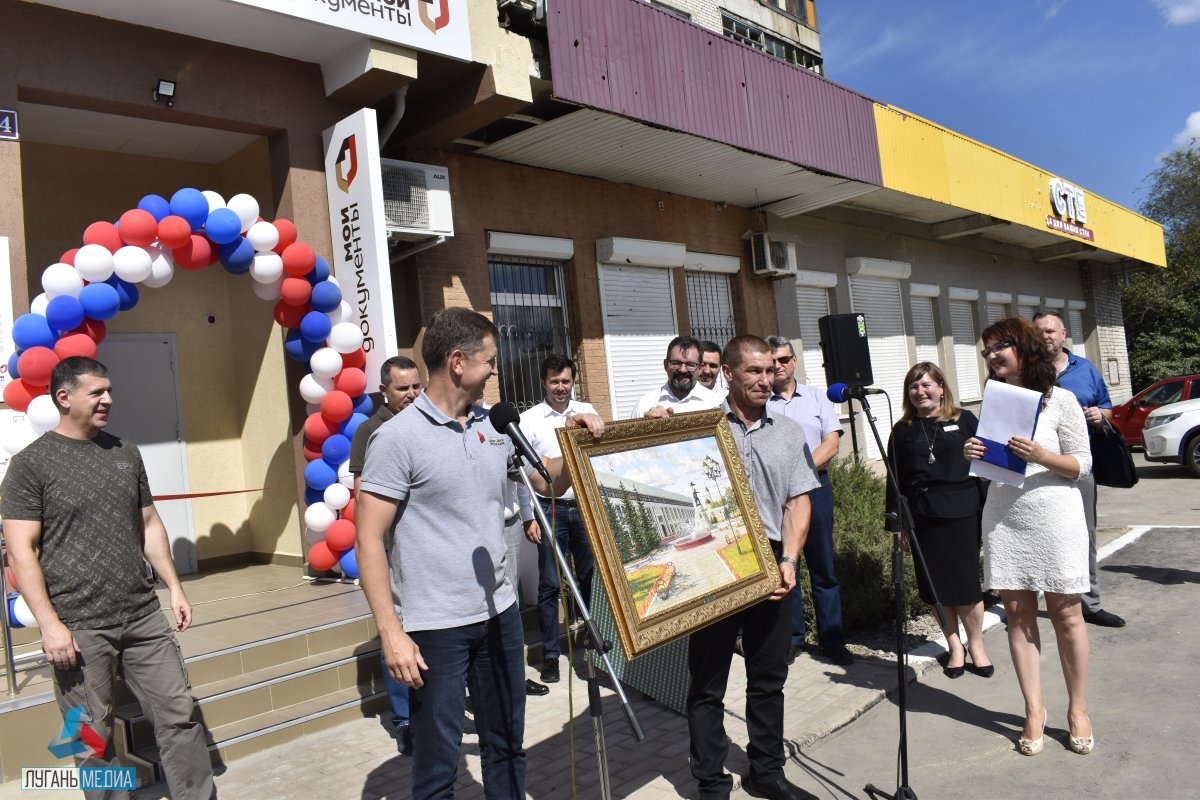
1191, 454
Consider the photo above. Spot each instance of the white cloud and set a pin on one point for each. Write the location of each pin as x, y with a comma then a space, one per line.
1190, 135
1178, 12
1054, 8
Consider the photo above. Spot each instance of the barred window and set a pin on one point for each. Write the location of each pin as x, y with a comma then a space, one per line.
529, 307
710, 307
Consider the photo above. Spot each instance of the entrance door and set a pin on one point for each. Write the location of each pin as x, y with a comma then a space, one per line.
146, 411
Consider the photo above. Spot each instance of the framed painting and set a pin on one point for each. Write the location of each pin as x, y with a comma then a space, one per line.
675, 532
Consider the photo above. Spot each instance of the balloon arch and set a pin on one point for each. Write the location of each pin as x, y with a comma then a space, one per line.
194, 230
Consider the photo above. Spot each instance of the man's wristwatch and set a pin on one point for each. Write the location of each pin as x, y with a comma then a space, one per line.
789, 560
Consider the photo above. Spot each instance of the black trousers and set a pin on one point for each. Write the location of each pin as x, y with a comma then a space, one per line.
766, 629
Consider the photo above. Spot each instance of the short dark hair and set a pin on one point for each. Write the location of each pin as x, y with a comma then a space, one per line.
738, 346
455, 329
684, 343
556, 363
66, 374
1036, 365
708, 346
395, 362
1050, 312
777, 342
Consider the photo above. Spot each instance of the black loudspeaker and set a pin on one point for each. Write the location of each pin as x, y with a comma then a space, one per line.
845, 349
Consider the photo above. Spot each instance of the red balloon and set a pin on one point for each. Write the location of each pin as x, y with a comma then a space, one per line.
195, 255
321, 557
137, 227
336, 406
36, 364
75, 344
348, 511
105, 234
295, 291
311, 451
174, 231
287, 234
289, 316
350, 380
214, 253
12, 579
340, 536
317, 428
19, 394
357, 359
69, 256
298, 259
94, 329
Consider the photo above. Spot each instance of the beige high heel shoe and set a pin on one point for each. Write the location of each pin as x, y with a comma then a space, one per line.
1031, 747
1081, 744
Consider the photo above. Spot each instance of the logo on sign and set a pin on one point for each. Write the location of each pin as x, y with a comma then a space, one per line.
345, 168
1070, 210
435, 24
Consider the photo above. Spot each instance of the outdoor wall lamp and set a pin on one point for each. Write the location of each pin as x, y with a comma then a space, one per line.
165, 90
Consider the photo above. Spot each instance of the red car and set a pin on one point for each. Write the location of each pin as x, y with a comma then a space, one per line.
1131, 416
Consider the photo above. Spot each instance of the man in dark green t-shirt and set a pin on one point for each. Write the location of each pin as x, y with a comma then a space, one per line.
81, 525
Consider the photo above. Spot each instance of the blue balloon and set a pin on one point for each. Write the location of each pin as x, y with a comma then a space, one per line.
100, 300
319, 272
223, 226
156, 205
351, 424
312, 496
237, 257
320, 475
363, 404
64, 313
326, 296
32, 330
336, 449
127, 292
315, 327
192, 205
349, 564
298, 348
13, 622
12, 365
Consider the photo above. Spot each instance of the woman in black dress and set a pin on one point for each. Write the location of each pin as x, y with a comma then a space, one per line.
925, 451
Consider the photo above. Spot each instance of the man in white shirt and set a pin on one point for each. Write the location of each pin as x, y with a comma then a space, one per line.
682, 392
540, 424
710, 367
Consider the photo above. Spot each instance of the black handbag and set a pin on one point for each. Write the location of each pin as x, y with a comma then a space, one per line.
1112, 461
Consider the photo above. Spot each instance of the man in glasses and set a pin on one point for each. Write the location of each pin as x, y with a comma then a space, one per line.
682, 392
822, 433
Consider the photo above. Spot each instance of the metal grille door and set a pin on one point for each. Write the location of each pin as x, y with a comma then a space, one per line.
529, 308
710, 307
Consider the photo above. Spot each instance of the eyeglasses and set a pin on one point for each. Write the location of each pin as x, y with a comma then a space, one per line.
783, 361
690, 366
996, 348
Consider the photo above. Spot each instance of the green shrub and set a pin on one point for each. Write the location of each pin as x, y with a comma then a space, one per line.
862, 551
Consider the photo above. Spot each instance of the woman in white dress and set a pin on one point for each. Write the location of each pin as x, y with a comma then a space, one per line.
1035, 538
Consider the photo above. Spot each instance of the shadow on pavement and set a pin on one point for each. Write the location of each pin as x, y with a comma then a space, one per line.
1167, 576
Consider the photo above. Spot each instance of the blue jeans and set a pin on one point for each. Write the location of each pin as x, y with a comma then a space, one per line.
573, 542
397, 696
490, 655
818, 557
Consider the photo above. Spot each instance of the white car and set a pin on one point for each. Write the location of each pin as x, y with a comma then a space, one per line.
1172, 434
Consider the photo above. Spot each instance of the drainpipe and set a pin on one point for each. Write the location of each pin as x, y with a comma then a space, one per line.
393, 121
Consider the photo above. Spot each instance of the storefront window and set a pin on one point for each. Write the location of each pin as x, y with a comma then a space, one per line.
529, 308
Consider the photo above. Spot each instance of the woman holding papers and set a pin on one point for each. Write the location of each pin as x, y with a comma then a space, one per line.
1035, 536
925, 453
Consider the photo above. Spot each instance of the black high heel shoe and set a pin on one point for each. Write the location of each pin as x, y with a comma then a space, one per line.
954, 672
984, 672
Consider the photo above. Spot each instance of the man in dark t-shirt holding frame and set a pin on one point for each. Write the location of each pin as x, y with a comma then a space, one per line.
80, 525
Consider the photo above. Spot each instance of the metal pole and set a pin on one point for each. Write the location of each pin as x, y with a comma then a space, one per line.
10, 664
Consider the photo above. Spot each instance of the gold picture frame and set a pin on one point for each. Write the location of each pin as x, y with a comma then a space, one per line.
673, 555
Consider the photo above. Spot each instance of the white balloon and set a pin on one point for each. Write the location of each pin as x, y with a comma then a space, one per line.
162, 267
59, 279
40, 304
246, 207
43, 414
262, 235
94, 263
313, 388
267, 267
215, 200
312, 537
18, 435
345, 337
21, 612
343, 313
133, 264
267, 291
337, 496
345, 477
326, 363
319, 517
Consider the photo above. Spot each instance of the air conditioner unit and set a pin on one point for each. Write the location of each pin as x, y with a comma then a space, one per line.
416, 200
770, 258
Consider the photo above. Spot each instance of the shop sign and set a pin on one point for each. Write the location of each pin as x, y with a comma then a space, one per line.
354, 187
1070, 210
8, 124
435, 26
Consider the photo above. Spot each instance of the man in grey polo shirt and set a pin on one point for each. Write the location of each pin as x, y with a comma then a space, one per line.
435, 481
781, 476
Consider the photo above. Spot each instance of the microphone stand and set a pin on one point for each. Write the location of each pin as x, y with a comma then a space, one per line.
593, 644
903, 790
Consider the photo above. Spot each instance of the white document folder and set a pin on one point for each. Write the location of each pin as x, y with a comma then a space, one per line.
1007, 411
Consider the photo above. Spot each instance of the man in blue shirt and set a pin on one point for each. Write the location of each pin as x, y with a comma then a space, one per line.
1077, 375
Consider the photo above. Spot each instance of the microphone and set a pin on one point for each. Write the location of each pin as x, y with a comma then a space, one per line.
840, 392
505, 418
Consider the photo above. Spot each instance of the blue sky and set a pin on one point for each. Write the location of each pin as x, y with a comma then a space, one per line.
1094, 91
